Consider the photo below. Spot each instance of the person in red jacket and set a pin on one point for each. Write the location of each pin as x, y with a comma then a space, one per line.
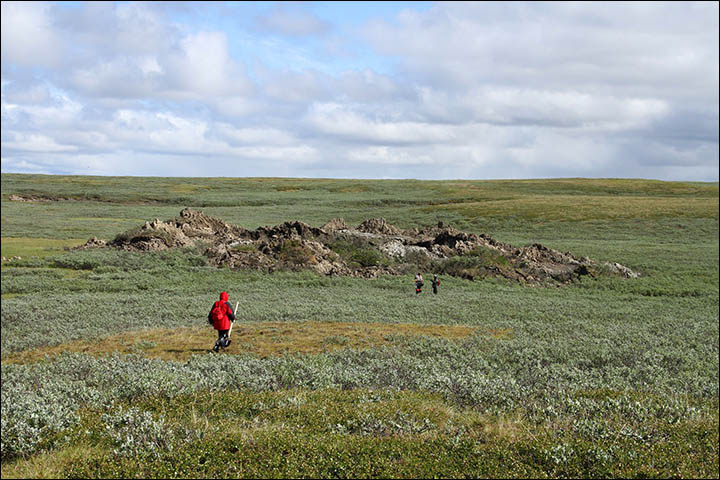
220, 316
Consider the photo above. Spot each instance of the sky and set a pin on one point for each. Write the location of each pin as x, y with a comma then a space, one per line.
372, 90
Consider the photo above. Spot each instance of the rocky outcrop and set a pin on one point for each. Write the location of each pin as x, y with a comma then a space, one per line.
375, 247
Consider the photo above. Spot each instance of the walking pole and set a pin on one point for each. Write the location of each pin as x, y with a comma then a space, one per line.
233, 323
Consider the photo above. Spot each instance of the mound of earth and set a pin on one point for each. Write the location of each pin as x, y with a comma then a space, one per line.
35, 198
372, 248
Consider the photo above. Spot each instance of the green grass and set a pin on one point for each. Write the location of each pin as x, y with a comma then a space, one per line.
367, 434
105, 206
608, 377
36, 247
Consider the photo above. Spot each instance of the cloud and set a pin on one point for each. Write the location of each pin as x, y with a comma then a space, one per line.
284, 20
388, 156
345, 123
28, 36
528, 106
204, 68
109, 29
368, 86
31, 142
199, 68
116, 78
293, 86
29, 94
589, 47
234, 136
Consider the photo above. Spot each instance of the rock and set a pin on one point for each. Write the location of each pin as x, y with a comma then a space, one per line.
378, 225
394, 248
621, 270
334, 225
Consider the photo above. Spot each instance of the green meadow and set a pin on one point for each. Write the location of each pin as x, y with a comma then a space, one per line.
106, 368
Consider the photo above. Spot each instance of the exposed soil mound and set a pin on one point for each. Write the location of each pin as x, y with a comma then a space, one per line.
378, 225
184, 231
334, 225
373, 248
35, 198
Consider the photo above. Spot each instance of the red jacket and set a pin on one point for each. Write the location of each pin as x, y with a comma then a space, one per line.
227, 314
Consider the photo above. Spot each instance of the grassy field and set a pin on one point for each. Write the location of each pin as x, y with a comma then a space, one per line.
106, 370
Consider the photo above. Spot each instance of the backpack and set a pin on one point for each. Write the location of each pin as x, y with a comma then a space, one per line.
218, 312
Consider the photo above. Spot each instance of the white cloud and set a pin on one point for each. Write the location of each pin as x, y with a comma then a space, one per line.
561, 108
388, 156
343, 122
117, 78
289, 86
558, 45
28, 37
294, 22
253, 136
32, 94
33, 142
204, 68
199, 69
368, 86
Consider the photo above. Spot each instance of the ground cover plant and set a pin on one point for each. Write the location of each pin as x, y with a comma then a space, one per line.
358, 377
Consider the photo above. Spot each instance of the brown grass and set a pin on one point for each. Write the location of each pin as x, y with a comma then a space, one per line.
262, 339
501, 333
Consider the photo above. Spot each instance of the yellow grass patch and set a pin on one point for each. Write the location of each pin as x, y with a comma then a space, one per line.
593, 186
49, 464
588, 207
262, 339
35, 247
501, 333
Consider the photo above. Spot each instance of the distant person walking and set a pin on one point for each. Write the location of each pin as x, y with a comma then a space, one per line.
435, 284
220, 316
418, 283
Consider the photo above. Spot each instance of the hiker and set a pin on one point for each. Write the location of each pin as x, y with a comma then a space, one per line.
220, 316
435, 283
418, 283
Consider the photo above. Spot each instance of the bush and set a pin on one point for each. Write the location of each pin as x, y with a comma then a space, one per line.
488, 256
358, 253
420, 260
293, 253
474, 264
460, 266
136, 433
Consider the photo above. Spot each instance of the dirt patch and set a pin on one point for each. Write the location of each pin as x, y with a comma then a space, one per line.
35, 198
375, 247
264, 339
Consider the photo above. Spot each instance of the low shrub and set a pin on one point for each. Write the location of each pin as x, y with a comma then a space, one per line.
137, 433
357, 253
293, 253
